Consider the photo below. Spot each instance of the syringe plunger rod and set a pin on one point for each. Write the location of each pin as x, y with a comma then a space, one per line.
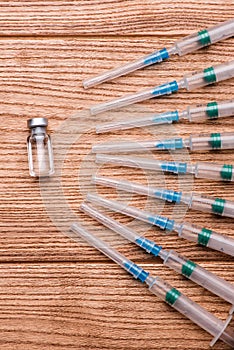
164, 291
188, 44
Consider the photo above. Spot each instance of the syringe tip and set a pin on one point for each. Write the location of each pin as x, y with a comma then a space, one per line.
86, 84
94, 110
94, 149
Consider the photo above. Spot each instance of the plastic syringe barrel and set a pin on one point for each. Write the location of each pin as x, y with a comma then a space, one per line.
187, 231
206, 237
208, 204
200, 276
205, 37
205, 170
209, 111
208, 76
209, 142
191, 310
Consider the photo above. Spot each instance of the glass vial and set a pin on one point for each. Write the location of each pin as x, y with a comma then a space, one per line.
40, 153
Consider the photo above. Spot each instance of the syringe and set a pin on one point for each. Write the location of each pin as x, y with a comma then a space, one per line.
164, 291
200, 235
194, 201
189, 82
188, 44
177, 262
197, 142
204, 170
211, 110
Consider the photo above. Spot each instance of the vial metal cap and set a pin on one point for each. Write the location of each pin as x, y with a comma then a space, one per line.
35, 122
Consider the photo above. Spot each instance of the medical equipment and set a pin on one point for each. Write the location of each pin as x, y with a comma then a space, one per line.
191, 81
196, 142
177, 262
188, 44
40, 152
211, 110
200, 235
204, 170
195, 201
164, 291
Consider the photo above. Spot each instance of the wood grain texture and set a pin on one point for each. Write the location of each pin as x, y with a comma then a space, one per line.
60, 293
76, 306
85, 17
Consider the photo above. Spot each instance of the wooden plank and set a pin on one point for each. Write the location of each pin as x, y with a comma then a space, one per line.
34, 82
97, 306
128, 17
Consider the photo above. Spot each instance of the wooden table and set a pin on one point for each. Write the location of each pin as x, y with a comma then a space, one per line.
57, 293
